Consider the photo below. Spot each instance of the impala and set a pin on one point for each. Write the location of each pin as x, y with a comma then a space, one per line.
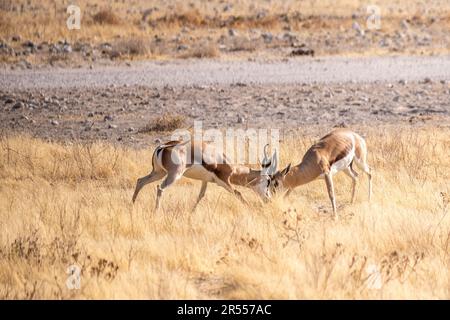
174, 160
337, 151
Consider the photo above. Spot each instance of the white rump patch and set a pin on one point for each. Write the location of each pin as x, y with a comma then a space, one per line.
198, 172
344, 163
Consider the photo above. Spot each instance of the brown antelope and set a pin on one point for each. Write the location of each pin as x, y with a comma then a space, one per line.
335, 152
200, 161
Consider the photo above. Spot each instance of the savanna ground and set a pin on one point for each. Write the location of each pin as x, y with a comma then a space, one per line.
70, 203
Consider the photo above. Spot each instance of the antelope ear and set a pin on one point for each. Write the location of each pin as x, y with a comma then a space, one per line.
286, 170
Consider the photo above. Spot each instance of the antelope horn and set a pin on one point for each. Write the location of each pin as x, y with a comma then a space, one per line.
274, 163
266, 159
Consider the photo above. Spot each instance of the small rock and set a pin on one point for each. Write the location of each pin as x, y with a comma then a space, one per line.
227, 7
108, 118
182, 47
67, 48
357, 28
240, 119
16, 38
130, 129
341, 125
384, 42
427, 80
232, 33
28, 44
18, 105
54, 123
267, 36
112, 126
405, 25
403, 82
303, 51
9, 100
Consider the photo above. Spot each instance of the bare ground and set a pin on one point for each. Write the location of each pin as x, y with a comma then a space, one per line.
116, 103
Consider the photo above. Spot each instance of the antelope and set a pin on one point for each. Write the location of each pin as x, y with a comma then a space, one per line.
172, 160
337, 151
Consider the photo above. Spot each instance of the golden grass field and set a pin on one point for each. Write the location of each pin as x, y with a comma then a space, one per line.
63, 204
130, 25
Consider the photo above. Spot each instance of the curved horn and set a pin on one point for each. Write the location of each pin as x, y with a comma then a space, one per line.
266, 162
274, 163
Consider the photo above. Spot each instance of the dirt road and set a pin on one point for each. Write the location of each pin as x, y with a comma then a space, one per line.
114, 104
210, 72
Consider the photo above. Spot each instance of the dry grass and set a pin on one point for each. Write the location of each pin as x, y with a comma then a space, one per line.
106, 16
205, 49
132, 46
166, 123
104, 21
240, 43
66, 204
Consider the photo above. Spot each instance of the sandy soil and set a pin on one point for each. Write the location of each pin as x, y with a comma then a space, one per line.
115, 103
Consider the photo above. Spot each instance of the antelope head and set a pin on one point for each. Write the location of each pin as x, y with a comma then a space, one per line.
276, 183
268, 167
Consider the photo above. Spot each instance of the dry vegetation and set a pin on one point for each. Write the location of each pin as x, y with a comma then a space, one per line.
324, 25
66, 204
166, 123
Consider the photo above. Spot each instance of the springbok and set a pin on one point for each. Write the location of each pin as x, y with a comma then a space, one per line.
335, 152
174, 159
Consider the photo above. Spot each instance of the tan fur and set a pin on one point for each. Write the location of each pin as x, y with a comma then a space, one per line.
320, 158
205, 164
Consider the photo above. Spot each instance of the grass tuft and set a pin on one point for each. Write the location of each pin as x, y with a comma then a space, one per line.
165, 123
106, 16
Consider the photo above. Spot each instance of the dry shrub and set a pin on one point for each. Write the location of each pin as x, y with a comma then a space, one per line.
54, 58
106, 16
132, 46
194, 18
243, 44
188, 18
266, 21
165, 123
202, 50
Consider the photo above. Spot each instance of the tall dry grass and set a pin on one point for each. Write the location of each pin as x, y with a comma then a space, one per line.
70, 204
106, 21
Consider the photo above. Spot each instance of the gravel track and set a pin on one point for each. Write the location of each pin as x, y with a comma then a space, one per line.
212, 72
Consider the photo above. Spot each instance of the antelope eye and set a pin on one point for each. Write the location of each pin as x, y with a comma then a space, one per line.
276, 184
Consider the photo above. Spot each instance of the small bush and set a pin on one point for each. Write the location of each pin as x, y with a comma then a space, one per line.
203, 50
167, 122
106, 16
243, 44
132, 46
